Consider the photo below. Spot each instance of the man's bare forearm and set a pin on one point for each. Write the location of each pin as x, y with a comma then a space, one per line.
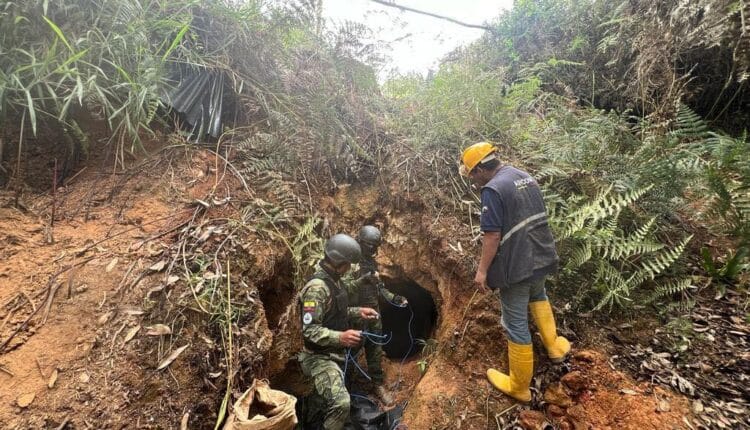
490, 243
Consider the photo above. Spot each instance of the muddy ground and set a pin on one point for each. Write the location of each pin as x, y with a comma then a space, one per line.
94, 301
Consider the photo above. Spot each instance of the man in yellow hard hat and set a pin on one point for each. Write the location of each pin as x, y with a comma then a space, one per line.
518, 253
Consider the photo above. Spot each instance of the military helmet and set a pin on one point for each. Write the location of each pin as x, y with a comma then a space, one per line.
342, 248
370, 236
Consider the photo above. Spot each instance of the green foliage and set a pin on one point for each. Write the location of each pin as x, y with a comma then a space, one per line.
606, 264
429, 349
114, 60
612, 182
457, 101
730, 270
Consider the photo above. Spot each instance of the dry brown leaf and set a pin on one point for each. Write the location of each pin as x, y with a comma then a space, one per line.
131, 334
158, 330
172, 279
84, 378
104, 318
158, 267
24, 400
52, 379
167, 361
629, 392
112, 264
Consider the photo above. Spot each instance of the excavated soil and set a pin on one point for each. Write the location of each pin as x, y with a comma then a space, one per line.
91, 364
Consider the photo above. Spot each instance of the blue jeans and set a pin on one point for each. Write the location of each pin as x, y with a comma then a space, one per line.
514, 301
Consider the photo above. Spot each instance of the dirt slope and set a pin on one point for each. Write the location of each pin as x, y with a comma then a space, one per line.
102, 258
88, 258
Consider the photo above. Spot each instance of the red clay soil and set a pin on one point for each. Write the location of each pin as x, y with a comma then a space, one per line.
104, 382
75, 367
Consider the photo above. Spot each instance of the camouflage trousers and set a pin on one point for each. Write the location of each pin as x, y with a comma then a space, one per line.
374, 352
329, 402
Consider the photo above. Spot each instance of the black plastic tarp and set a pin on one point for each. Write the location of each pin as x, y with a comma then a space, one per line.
201, 97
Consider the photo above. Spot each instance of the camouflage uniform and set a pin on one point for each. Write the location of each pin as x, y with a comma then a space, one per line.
325, 314
365, 293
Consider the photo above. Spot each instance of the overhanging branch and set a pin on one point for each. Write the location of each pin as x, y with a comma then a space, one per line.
434, 15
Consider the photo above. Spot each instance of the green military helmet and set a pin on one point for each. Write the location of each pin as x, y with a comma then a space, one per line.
342, 248
370, 236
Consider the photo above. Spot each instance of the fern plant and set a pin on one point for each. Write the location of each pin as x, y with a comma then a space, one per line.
622, 262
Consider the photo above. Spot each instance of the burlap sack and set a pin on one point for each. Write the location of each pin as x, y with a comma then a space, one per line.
261, 408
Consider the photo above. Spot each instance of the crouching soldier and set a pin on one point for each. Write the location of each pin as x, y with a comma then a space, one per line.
326, 330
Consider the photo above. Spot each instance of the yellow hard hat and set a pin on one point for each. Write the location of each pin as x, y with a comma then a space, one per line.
474, 154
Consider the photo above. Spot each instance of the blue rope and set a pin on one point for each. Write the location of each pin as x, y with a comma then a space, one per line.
353, 359
377, 339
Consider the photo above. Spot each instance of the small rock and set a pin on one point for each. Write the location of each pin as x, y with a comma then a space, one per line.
555, 411
84, 378
585, 355
532, 420
576, 381
52, 379
24, 400
697, 407
556, 395
664, 406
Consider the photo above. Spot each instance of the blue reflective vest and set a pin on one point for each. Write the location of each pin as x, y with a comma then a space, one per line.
527, 248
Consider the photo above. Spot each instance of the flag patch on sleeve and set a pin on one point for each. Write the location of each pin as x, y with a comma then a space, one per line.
308, 306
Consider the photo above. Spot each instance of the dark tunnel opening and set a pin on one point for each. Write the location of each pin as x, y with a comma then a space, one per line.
406, 325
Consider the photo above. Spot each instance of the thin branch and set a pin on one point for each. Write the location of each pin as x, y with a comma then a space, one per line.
434, 15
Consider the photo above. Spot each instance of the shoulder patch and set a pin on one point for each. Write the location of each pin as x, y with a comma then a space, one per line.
307, 318
309, 306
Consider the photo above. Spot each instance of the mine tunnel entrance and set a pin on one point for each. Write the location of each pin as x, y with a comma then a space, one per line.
409, 324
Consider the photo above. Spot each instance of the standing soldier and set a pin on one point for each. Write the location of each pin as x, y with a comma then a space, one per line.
327, 332
370, 286
518, 252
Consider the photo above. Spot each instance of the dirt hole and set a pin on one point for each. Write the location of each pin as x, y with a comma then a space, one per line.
409, 327
277, 293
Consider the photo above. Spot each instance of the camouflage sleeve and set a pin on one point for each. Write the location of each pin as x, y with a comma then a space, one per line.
350, 285
353, 313
387, 293
316, 301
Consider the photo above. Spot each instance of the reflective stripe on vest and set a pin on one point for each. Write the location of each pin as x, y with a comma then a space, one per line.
522, 224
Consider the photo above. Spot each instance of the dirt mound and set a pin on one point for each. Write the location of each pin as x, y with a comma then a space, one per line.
78, 297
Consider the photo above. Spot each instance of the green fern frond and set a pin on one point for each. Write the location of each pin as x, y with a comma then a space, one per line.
580, 255
690, 124
602, 207
616, 288
669, 289
618, 247
658, 263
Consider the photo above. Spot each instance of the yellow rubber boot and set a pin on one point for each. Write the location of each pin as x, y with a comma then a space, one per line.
521, 363
557, 346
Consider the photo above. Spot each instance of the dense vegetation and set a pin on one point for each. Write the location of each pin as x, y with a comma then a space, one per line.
599, 101
611, 104
631, 114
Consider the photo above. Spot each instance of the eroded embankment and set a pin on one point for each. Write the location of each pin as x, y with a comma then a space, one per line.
140, 262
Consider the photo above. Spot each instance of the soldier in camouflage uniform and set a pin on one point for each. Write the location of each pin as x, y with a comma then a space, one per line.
369, 239
326, 331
